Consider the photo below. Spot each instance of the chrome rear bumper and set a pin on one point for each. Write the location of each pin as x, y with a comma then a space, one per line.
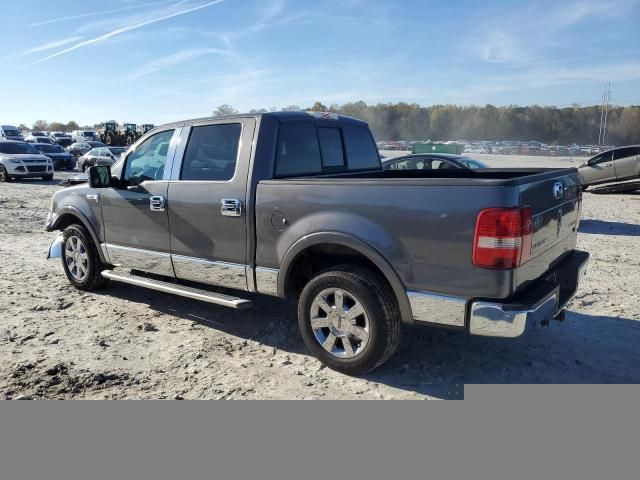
542, 301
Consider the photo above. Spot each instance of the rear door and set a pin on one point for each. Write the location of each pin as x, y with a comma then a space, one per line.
626, 161
207, 203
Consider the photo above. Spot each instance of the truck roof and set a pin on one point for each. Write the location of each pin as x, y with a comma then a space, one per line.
280, 116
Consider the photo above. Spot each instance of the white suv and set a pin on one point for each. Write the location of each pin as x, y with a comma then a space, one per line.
84, 136
22, 160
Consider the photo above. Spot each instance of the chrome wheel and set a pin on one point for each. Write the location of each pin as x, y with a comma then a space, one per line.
76, 258
339, 323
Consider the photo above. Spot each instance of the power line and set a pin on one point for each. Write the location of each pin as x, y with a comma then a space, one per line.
604, 113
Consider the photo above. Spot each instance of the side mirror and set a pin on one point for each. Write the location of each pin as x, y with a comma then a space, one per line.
100, 176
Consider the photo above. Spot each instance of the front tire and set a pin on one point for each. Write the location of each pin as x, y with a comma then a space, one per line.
349, 319
80, 259
4, 175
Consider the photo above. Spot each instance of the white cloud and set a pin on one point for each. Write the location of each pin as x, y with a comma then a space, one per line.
127, 28
173, 60
50, 45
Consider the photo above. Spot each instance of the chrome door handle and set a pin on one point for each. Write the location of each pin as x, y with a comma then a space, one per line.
94, 196
157, 203
607, 165
230, 207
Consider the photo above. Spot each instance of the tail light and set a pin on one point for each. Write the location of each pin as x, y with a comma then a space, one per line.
502, 238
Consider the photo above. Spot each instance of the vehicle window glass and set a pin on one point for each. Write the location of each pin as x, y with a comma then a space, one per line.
623, 153
298, 150
361, 149
148, 160
212, 152
605, 157
331, 146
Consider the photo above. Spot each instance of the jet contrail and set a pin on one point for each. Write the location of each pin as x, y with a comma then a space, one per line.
122, 30
94, 14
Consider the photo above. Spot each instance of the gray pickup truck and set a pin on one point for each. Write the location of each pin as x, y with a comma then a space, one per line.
297, 205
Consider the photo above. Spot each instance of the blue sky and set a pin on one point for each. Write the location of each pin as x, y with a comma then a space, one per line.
147, 61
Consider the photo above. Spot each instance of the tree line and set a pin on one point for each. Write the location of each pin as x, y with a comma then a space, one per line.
552, 125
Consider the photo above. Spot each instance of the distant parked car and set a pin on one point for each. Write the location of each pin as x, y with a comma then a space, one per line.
21, 160
33, 135
80, 148
84, 136
61, 138
44, 140
615, 165
99, 156
432, 161
9, 132
60, 158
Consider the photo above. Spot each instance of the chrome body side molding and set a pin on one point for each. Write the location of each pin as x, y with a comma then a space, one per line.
437, 309
223, 274
139, 259
267, 281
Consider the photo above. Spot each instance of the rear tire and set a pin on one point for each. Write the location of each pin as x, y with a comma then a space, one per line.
339, 336
80, 259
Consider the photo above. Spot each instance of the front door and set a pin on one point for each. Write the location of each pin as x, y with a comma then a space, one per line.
207, 209
599, 169
135, 216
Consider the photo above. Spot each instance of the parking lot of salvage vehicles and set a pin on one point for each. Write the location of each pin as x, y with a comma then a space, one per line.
134, 343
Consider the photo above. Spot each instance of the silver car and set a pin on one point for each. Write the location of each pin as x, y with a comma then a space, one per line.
611, 166
100, 156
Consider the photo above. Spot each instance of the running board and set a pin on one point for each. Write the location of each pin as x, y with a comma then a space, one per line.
175, 289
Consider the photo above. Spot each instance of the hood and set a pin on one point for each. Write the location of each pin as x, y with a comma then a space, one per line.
26, 157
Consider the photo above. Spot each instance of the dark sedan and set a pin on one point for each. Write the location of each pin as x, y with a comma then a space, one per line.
432, 161
58, 156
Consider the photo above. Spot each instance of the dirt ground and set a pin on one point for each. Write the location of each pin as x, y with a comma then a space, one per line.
128, 342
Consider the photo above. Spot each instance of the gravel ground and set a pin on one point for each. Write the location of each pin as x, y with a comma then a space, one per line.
128, 342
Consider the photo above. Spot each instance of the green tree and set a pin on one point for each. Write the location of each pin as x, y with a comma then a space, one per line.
318, 107
40, 125
223, 110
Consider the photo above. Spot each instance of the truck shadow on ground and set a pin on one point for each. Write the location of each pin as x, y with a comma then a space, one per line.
582, 349
36, 181
602, 227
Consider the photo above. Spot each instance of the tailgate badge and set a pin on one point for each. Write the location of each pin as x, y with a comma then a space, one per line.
558, 190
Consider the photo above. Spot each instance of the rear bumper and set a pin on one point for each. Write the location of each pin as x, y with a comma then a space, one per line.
542, 301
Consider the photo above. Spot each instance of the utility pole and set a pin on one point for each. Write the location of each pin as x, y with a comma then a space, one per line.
604, 112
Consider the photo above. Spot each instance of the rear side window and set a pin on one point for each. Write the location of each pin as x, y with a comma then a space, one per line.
331, 146
298, 150
624, 152
212, 152
360, 147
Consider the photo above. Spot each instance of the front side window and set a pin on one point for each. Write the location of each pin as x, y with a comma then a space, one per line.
623, 153
362, 153
298, 150
212, 152
605, 157
148, 160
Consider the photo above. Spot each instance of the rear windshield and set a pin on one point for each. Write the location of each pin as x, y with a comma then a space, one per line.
305, 149
16, 148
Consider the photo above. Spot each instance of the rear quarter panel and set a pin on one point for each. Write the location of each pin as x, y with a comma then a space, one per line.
425, 231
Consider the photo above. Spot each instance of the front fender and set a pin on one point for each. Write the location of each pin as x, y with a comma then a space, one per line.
60, 219
350, 241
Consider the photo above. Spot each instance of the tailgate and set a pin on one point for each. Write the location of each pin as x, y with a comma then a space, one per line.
554, 198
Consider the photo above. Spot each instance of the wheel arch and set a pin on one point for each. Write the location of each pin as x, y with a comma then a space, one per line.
69, 215
337, 248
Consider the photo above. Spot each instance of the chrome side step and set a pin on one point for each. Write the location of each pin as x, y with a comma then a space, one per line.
167, 287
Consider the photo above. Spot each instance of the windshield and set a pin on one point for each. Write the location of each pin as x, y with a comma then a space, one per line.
96, 144
117, 150
89, 134
43, 147
16, 148
11, 133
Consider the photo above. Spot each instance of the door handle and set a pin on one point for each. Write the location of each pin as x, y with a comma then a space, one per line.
157, 203
607, 165
93, 196
231, 207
